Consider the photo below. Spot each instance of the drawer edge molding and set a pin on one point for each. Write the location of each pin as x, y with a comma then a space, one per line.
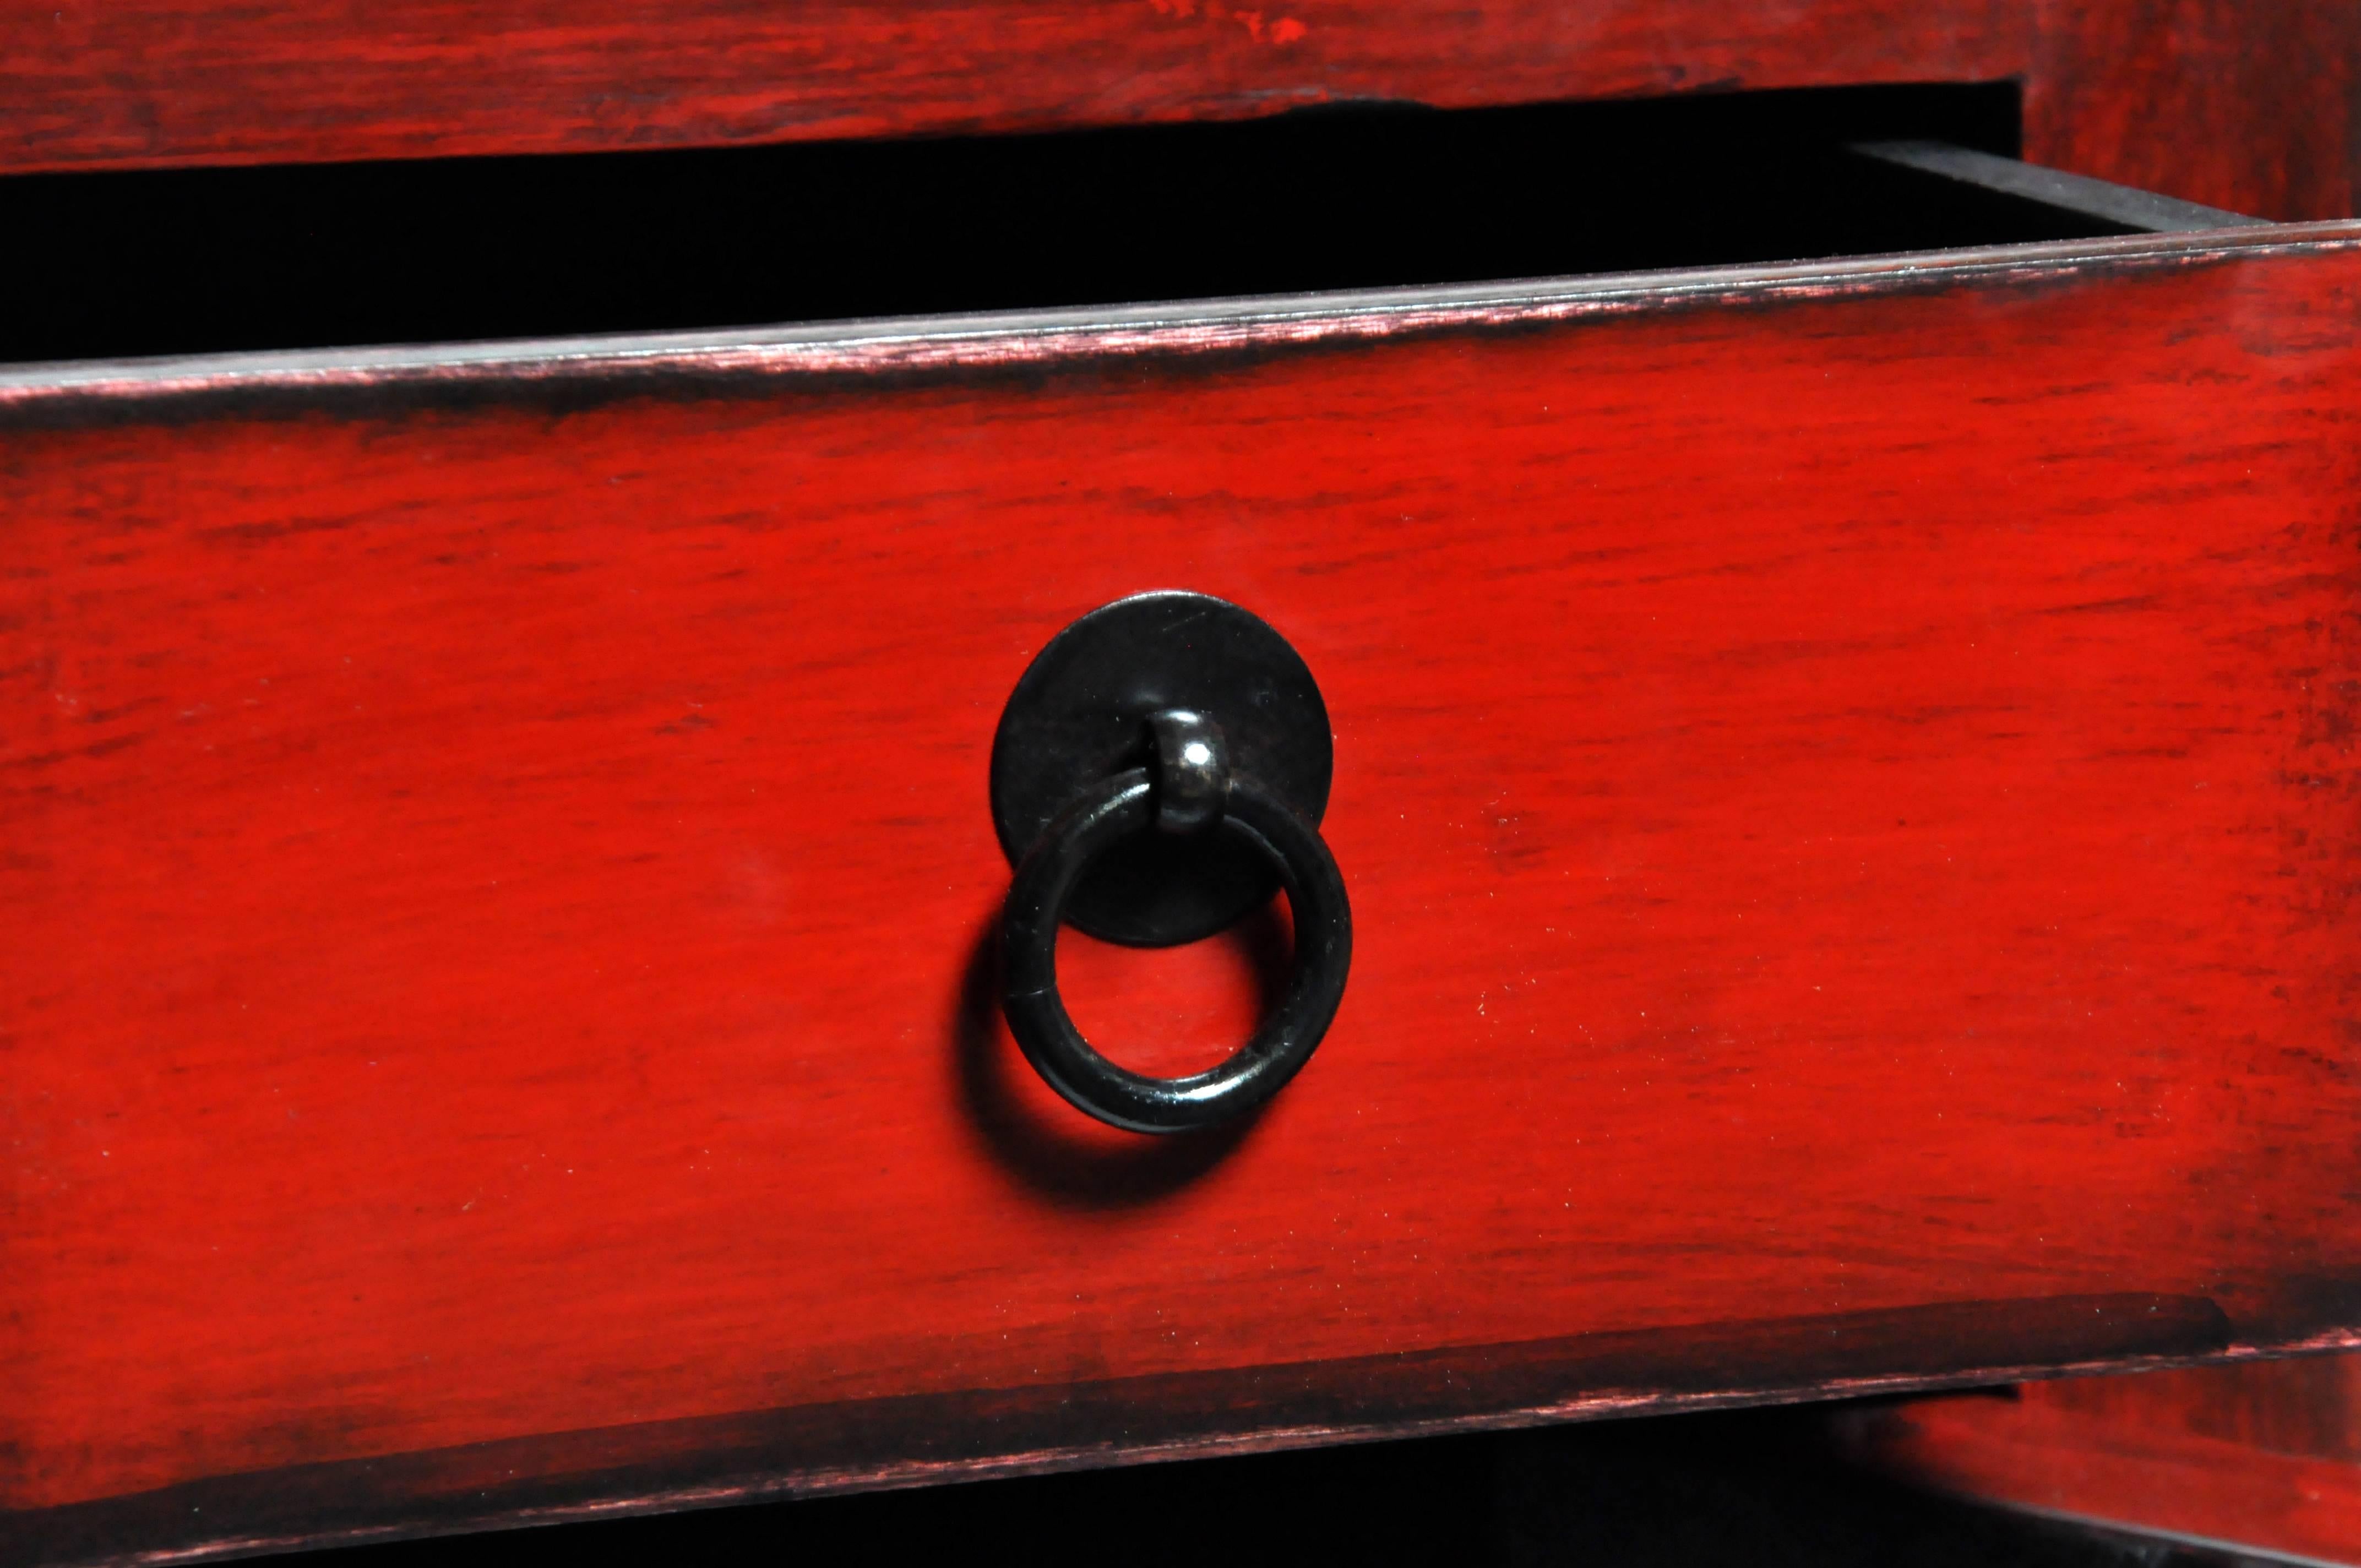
861, 1445
298, 380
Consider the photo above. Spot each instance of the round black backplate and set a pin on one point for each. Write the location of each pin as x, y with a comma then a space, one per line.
1079, 714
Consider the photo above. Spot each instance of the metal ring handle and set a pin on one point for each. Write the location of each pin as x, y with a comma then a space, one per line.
1098, 818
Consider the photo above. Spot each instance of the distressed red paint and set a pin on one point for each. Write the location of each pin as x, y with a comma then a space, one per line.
1850, 806
2243, 107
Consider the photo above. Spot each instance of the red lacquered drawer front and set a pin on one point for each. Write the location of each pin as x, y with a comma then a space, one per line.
1845, 776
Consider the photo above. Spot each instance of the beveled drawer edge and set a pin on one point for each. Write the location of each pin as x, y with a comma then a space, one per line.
920, 1439
1036, 338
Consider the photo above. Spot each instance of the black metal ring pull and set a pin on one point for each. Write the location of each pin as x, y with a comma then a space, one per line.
1190, 789
1159, 773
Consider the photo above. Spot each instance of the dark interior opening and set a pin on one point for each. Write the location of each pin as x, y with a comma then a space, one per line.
189, 260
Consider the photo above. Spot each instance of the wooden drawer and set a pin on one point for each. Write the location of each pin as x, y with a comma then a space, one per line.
1844, 772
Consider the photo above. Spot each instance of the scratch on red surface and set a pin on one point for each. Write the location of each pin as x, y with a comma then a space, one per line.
1181, 8
1287, 29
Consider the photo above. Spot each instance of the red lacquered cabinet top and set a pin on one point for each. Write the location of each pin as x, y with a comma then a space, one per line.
2247, 107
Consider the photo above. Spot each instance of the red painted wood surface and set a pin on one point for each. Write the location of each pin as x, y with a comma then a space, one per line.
2245, 106
1846, 778
2263, 1456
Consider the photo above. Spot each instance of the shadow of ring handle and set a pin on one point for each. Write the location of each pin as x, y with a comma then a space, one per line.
1102, 816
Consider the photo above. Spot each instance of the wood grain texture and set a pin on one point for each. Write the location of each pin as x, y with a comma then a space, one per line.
1846, 780
2256, 108
2236, 105
2261, 1456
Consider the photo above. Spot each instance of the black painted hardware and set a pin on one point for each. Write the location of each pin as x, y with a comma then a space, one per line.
1080, 715
1128, 714
1192, 771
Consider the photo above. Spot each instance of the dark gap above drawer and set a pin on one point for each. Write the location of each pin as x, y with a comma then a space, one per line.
132, 263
